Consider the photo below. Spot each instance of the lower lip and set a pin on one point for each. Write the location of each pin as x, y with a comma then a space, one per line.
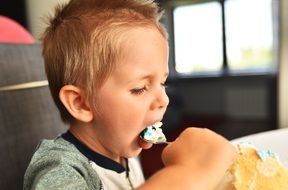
143, 144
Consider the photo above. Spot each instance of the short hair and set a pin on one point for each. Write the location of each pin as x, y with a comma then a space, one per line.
82, 42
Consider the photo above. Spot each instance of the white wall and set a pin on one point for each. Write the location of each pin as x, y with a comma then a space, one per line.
36, 10
283, 74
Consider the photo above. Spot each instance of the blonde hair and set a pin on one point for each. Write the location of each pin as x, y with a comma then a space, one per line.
83, 40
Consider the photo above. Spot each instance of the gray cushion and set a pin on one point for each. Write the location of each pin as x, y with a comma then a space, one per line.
26, 115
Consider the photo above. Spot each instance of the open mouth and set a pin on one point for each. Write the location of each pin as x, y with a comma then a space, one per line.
153, 134
153, 126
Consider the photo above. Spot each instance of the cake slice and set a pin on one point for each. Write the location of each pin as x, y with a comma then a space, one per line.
255, 170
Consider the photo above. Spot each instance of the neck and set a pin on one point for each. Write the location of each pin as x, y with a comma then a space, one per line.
88, 136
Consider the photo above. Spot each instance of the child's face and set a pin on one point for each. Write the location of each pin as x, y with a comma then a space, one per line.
133, 97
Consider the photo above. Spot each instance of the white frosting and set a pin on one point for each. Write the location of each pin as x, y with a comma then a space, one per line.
154, 134
263, 154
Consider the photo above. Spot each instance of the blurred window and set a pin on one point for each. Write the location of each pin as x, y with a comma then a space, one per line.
237, 36
198, 38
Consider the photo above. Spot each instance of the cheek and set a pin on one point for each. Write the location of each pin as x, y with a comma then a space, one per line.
135, 113
122, 113
129, 117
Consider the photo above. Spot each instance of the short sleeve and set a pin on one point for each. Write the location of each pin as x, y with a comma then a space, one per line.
58, 165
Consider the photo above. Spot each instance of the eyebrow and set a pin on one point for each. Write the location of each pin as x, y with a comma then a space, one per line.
148, 76
145, 77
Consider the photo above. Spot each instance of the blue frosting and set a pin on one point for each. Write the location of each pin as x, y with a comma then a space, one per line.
263, 154
148, 132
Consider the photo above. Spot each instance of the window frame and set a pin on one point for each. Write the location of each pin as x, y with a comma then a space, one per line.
168, 20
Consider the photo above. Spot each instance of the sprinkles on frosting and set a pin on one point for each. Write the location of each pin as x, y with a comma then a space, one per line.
154, 134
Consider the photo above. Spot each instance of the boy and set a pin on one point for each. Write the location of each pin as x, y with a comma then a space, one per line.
107, 63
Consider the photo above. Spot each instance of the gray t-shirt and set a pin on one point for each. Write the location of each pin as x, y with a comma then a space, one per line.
65, 163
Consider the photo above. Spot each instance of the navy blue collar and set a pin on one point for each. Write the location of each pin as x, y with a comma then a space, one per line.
99, 159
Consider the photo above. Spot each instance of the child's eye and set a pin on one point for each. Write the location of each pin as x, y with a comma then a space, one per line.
138, 91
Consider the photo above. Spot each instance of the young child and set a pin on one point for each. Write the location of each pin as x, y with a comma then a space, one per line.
107, 63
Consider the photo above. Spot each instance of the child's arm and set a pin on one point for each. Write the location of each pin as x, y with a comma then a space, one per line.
197, 159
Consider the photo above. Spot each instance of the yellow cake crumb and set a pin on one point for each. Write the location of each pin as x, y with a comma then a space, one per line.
250, 172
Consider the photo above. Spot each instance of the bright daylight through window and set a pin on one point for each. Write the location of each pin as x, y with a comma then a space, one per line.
198, 36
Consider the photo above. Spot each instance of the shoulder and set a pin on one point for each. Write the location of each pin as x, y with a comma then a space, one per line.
57, 150
57, 164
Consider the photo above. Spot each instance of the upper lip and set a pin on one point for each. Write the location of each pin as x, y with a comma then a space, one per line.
154, 122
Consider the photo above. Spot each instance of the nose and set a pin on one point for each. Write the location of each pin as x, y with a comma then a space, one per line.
160, 101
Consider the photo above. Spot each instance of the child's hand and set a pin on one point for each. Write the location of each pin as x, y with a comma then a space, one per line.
203, 152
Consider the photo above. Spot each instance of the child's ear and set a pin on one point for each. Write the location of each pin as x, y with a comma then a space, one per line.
74, 100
